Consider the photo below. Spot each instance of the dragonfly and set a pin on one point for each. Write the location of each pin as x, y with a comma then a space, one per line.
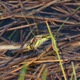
33, 43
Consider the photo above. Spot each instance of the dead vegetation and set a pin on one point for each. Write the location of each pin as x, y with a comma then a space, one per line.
22, 20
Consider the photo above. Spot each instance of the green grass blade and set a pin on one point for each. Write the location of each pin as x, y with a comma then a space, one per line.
65, 21
54, 45
74, 72
77, 9
12, 34
44, 75
61, 27
23, 72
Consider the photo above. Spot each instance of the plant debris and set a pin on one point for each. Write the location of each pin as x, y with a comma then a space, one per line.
21, 21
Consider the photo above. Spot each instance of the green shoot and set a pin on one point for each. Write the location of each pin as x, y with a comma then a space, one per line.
23, 72
74, 72
12, 34
44, 75
65, 21
60, 27
54, 45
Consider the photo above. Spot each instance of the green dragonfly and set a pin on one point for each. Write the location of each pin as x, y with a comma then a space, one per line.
34, 43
